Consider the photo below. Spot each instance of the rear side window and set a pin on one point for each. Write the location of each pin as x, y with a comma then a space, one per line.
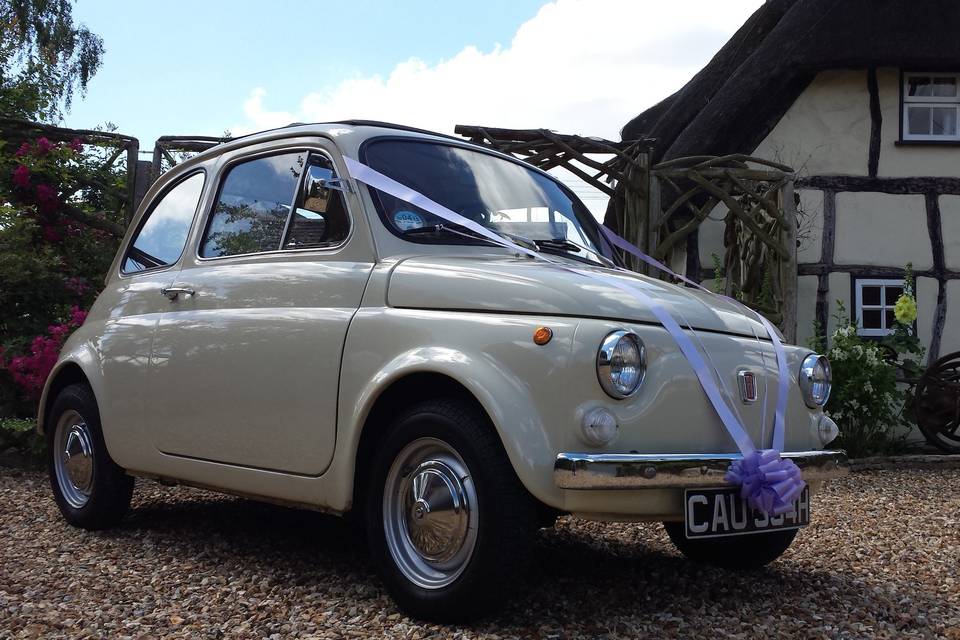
161, 238
253, 206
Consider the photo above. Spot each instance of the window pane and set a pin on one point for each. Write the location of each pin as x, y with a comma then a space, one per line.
919, 86
870, 294
253, 206
891, 320
944, 87
871, 319
891, 294
918, 120
161, 238
320, 218
944, 121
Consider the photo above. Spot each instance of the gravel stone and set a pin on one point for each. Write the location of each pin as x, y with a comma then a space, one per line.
881, 560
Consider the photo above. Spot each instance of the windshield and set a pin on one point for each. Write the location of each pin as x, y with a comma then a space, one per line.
502, 195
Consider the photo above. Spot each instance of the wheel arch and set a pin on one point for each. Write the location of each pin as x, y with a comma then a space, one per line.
403, 392
65, 373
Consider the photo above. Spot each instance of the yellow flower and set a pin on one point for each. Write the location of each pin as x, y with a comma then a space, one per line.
905, 310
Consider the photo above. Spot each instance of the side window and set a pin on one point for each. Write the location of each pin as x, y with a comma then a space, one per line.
320, 217
253, 206
160, 240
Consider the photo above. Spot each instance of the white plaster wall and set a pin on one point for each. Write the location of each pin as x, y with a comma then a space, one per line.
811, 226
882, 229
950, 341
950, 226
711, 236
926, 293
839, 284
907, 160
806, 307
827, 129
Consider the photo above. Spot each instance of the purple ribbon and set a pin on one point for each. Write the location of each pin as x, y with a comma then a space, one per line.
767, 481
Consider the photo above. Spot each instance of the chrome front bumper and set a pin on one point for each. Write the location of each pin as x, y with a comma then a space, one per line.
675, 470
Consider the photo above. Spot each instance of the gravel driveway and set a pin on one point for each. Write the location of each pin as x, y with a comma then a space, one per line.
881, 560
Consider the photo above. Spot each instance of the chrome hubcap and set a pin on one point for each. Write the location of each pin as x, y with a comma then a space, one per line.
430, 513
73, 458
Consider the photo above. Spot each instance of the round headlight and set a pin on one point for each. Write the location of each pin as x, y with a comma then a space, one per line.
621, 363
815, 380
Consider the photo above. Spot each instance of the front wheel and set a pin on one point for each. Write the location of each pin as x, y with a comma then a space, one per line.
744, 552
449, 523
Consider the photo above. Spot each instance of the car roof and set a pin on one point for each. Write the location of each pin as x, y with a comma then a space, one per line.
358, 130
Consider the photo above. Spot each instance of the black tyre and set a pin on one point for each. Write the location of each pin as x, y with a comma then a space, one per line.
745, 552
90, 489
449, 524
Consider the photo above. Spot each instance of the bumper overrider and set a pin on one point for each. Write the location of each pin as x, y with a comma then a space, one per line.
676, 470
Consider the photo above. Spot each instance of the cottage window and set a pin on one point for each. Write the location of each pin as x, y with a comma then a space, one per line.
931, 106
874, 305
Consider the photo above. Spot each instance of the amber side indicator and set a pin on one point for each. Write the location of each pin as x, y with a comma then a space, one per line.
542, 335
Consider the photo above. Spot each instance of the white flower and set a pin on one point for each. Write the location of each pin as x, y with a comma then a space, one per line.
837, 354
857, 350
868, 387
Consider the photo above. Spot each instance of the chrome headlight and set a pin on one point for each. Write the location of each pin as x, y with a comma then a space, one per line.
621, 363
815, 380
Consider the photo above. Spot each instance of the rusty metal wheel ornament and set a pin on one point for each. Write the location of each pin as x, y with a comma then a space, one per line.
937, 403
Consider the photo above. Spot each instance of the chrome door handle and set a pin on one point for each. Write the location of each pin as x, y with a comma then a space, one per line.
173, 292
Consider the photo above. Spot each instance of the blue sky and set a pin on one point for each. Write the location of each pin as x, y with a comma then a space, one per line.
575, 66
188, 67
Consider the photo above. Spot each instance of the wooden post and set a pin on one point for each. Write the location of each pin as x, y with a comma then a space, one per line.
133, 152
789, 266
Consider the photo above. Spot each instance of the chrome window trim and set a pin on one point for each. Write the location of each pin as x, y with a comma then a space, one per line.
121, 274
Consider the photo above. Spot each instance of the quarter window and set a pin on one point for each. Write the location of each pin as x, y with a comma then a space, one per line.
874, 306
161, 237
320, 217
931, 105
253, 206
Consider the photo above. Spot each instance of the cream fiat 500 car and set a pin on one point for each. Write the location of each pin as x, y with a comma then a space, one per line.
274, 327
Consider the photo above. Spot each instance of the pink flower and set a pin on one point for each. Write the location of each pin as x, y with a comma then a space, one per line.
77, 316
44, 146
47, 198
50, 234
21, 177
77, 145
23, 150
75, 285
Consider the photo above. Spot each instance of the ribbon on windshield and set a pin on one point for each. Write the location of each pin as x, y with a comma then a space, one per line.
768, 482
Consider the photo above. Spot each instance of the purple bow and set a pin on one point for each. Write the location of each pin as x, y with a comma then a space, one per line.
769, 483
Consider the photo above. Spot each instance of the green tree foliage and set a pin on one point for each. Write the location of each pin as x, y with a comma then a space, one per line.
44, 58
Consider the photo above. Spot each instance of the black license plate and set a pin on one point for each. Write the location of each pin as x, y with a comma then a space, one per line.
714, 513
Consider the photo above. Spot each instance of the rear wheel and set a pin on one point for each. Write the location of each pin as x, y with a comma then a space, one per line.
745, 552
449, 523
91, 491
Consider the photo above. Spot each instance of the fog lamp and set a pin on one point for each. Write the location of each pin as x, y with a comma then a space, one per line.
599, 428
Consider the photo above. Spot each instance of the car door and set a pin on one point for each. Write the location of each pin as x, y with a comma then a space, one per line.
133, 302
246, 359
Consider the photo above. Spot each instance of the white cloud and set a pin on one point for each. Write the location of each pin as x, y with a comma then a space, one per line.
578, 66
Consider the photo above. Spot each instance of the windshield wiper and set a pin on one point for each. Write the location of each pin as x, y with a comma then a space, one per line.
466, 233
569, 246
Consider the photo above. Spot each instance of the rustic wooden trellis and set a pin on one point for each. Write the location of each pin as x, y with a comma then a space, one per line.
169, 151
117, 147
760, 225
659, 208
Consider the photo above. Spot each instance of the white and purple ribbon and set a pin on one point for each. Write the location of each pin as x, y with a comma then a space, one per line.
768, 482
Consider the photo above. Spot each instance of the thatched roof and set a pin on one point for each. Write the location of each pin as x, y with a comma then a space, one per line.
736, 100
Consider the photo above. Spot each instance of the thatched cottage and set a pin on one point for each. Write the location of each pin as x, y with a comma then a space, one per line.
862, 98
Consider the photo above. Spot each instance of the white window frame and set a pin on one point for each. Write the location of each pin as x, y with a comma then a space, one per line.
883, 283
927, 101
